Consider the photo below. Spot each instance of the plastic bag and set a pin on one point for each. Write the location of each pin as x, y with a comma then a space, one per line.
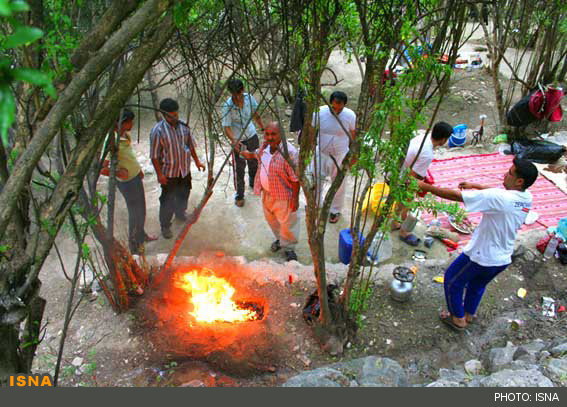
538, 151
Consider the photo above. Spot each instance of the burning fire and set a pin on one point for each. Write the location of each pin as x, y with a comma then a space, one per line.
212, 298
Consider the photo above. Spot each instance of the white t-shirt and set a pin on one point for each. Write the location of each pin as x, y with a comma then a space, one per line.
425, 156
332, 137
265, 169
503, 213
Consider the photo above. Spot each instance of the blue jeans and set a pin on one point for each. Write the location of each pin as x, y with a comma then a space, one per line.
464, 274
133, 193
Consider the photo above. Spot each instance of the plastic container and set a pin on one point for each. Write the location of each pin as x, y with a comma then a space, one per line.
376, 197
380, 249
551, 246
459, 136
345, 245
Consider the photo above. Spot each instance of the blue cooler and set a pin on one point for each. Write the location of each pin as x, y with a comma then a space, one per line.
459, 136
345, 245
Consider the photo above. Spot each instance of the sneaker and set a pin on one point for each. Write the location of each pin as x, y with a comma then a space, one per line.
290, 255
239, 202
167, 233
334, 218
275, 246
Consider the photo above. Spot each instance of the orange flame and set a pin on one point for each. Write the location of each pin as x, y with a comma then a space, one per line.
212, 298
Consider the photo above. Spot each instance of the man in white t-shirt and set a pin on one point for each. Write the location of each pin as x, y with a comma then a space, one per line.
337, 128
419, 158
490, 250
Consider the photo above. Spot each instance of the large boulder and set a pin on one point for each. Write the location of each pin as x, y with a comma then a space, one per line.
556, 369
515, 378
374, 371
322, 377
500, 358
559, 350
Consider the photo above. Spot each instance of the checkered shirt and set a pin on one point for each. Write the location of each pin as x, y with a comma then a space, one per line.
280, 173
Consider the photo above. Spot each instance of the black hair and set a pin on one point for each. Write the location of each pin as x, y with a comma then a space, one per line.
441, 131
169, 105
127, 115
235, 85
339, 97
525, 170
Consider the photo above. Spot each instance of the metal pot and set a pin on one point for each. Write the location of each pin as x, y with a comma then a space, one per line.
402, 284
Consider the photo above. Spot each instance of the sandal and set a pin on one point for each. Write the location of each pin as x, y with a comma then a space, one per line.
447, 319
334, 218
411, 239
275, 246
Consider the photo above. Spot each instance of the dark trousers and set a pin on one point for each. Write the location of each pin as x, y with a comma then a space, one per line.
133, 193
469, 278
173, 199
252, 144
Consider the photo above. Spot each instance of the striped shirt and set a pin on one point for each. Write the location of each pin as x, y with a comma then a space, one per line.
170, 146
280, 173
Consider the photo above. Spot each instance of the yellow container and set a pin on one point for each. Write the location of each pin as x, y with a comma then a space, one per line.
376, 197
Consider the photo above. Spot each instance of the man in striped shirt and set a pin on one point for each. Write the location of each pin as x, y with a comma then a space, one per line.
171, 149
279, 185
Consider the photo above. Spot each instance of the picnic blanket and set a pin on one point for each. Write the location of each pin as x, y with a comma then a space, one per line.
489, 169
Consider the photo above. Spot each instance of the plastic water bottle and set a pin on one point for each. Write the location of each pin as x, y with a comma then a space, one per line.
551, 246
380, 249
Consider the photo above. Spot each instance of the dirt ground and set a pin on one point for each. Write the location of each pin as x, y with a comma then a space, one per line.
105, 349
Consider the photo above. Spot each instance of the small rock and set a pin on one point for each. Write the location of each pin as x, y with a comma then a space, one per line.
543, 355
473, 367
499, 358
194, 383
306, 361
77, 361
559, 350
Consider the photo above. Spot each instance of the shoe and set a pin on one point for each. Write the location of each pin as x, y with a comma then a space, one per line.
239, 202
182, 217
167, 233
290, 255
411, 239
334, 218
275, 246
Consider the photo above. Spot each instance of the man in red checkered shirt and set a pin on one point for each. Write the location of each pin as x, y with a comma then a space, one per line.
279, 185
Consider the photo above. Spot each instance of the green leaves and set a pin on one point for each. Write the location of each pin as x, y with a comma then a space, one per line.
22, 35
7, 111
8, 7
37, 78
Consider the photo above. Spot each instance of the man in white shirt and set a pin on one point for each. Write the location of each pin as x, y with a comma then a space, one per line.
419, 158
490, 250
337, 128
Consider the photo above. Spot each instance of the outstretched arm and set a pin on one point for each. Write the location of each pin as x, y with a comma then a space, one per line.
471, 185
446, 193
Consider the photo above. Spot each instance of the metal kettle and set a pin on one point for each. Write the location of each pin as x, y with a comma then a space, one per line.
402, 284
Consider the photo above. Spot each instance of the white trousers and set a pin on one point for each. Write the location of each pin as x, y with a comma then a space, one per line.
325, 167
283, 222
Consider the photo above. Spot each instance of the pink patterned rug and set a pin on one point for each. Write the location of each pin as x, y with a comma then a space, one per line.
489, 169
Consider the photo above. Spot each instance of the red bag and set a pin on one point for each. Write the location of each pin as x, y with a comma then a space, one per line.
542, 244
